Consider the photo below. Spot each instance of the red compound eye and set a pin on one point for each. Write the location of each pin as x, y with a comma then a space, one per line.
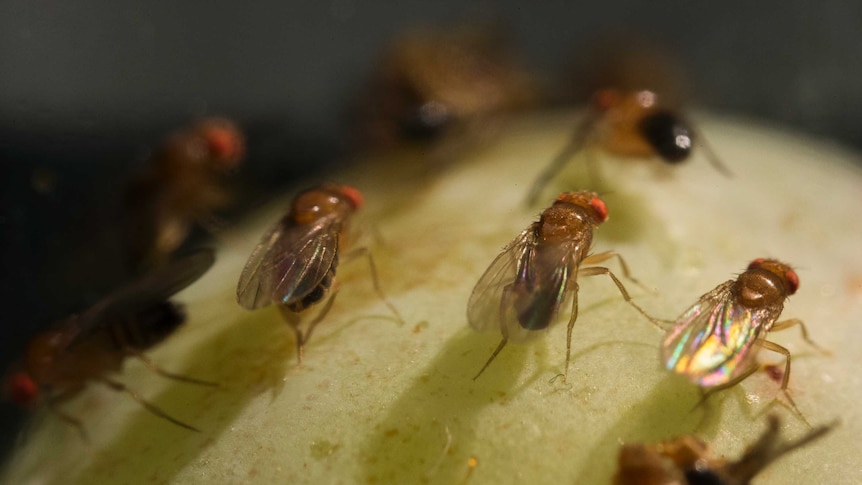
600, 208
792, 281
756, 263
21, 389
223, 142
605, 99
353, 196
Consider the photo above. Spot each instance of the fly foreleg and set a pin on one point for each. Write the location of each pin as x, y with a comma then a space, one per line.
783, 325
600, 270
55, 400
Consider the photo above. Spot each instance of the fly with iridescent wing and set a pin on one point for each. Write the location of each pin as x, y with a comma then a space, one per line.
716, 341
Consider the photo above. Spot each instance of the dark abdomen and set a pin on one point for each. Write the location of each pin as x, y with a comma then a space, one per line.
318, 292
146, 328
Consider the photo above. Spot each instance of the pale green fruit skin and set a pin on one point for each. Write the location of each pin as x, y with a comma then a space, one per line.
375, 402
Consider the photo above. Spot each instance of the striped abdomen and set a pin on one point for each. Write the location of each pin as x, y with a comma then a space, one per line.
145, 328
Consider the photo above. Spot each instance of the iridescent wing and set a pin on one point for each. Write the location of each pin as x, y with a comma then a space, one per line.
151, 289
523, 288
289, 263
716, 339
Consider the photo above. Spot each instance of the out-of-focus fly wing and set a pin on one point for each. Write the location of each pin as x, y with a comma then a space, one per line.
151, 289
715, 340
642, 464
768, 448
576, 143
289, 262
523, 288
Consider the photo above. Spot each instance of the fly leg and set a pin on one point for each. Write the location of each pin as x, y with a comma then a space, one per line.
118, 386
317, 319
600, 270
572, 319
604, 256
786, 380
727, 385
170, 375
64, 396
360, 252
357, 234
503, 330
493, 356
783, 325
754, 368
294, 321
712, 157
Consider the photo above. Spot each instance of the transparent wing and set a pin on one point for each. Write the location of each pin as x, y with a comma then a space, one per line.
249, 291
151, 289
715, 340
483, 308
523, 288
541, 286
289, 262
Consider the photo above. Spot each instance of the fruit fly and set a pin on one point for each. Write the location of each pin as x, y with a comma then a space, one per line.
58, 363
521, 292
183, 184
686, 460
629, 123
715, 342
294, 264
429, 84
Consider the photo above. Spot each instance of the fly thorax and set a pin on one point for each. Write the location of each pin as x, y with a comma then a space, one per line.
758, 288
42, 353
315, 204
564, 222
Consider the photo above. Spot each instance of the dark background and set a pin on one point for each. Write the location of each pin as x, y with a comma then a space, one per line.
87, 88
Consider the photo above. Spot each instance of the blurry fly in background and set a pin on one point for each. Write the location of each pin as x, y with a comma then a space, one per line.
183, 184
60, 362
687, 460
633, 112
442, 88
